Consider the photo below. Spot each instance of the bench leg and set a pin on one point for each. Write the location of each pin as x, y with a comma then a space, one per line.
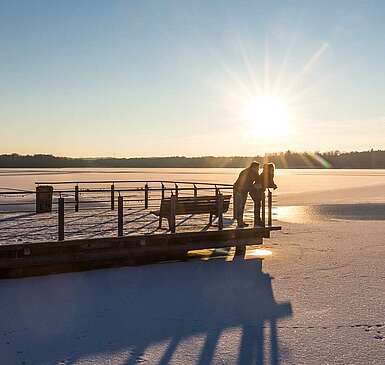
160, 222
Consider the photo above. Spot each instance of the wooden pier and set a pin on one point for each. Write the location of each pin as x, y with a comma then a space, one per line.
75, 225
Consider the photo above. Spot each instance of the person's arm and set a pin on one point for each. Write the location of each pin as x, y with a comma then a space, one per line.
258, 182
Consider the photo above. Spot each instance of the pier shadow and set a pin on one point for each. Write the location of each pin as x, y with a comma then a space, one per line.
145, 313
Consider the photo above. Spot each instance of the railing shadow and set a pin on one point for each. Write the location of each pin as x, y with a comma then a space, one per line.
128, 310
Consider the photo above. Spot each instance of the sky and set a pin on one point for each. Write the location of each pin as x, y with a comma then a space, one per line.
176, 77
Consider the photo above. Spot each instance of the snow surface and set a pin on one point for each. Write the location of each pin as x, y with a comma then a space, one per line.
317, 299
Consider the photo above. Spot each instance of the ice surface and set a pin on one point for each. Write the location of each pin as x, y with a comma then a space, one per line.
318, 299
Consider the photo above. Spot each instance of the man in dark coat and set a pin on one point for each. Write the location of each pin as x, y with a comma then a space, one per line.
248, 182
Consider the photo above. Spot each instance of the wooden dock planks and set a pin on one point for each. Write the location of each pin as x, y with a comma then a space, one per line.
18, 260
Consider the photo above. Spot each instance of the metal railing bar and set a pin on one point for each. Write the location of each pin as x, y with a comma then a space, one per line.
128, 181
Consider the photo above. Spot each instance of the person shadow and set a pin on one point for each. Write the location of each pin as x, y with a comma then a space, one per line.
132, 311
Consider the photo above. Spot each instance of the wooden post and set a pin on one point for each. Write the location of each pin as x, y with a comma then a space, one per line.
76, 198
61, 219
112, 197
216, 191
120, 216
263, 208
195, 191
220, 210
172, 222
270, 208
162, 191
146, 196
234, 206
176, 191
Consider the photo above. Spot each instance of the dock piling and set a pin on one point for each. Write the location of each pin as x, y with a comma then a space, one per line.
76, 198
146, 196
172, 222
269, 208
234, 206
120, 216
61, 219
257, 213
195, 191
176, 191
162, 191
112, 197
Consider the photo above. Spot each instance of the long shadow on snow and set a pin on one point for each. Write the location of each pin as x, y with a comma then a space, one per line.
45, 320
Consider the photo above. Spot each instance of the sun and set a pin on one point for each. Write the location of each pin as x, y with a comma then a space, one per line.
267, 115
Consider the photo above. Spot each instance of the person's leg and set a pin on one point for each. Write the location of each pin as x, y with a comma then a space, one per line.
241, 198
238, 203
256, 196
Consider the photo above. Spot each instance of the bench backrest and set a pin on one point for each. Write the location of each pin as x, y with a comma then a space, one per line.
194, 205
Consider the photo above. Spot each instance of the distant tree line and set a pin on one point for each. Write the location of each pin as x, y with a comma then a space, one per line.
335, 159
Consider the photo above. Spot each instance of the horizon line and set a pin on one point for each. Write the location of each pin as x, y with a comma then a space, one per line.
193, 156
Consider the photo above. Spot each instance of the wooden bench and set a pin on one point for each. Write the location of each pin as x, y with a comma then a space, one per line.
214, 205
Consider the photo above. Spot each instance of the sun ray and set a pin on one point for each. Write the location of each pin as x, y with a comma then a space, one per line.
250, 70
266, 81
282, 69
283, 161
307, 67
288, 52
267, 106
307, 160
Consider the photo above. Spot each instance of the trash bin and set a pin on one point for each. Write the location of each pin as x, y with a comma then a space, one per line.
44, 198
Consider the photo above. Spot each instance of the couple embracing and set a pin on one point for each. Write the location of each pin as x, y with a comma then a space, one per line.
250, 181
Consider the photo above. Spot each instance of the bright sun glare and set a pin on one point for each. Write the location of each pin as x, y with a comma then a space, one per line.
267, 113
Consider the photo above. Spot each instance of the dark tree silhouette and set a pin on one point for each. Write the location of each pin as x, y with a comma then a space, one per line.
334, 159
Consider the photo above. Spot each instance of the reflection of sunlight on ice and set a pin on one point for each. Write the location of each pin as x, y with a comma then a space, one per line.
289, 213
258, 252
229, 253
331, 212
296, 214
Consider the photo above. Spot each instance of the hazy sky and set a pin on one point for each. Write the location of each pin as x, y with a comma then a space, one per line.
145, 78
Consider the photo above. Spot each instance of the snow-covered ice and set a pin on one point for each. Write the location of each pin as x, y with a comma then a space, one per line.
317, 299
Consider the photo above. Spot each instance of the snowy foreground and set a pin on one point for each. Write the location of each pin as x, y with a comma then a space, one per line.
317, 299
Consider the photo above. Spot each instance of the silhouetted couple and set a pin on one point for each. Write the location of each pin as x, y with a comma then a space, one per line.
250, 181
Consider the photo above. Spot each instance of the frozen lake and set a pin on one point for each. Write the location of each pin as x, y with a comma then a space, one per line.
317, 298
303, 196
296, 187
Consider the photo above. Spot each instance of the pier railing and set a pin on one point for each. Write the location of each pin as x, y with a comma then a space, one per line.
94, 195
141, 192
